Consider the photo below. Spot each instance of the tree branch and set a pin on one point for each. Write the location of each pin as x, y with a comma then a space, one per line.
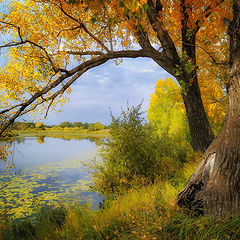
76, 73
206, 14
81, 25
162, 34
86, 53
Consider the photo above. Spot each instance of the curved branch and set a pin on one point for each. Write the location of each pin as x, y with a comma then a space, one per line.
81, 25
76, 73
86, 53
162, 34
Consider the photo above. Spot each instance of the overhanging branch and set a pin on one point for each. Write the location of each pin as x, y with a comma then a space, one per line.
75, 73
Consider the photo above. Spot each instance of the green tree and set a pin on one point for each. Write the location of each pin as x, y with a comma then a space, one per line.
77, 124
91, 127
86, 125
66, 124
98, 126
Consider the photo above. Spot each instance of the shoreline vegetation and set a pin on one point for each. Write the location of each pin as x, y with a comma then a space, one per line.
140, 175
58, 132
63, 130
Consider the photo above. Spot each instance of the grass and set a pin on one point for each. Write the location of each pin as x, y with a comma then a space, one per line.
148, 212
145, 213
60, 132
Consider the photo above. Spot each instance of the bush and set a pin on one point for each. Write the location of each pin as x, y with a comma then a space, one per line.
135, 155
23, 229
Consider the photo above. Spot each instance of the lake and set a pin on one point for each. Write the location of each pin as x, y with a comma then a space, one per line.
47, 170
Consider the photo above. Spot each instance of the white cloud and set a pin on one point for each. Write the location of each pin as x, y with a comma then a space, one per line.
110, 86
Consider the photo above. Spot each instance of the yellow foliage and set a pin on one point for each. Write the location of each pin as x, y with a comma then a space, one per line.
167, 112
53, 28
166, 109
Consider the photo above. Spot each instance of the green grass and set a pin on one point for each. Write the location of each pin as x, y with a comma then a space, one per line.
68, 133
143, 212
146, 213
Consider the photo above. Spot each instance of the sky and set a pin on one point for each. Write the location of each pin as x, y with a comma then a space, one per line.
107, 87
110, 87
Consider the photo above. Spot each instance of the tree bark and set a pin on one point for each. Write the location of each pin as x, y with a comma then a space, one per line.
201, 132
214, 188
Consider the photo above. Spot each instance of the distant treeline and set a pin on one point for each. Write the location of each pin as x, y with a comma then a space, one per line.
67, 124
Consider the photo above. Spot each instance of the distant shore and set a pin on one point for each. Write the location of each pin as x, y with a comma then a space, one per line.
69, 132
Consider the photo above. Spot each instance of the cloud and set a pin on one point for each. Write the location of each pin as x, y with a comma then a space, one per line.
110, 86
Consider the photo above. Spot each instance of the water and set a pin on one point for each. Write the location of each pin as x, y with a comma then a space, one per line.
47, 170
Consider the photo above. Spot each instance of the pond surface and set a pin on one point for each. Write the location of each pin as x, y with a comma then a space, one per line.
47, 170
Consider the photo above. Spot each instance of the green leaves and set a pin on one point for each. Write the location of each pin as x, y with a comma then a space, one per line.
126, 11
121, 4
145, 7
93, 20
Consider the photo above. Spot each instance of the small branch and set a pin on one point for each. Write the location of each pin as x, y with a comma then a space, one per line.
209, 54
68, 29
110, 36
11, 108
85, 53
206, 14
46, 53
48, 108
19, 34
95, 38
81, 25
12, 44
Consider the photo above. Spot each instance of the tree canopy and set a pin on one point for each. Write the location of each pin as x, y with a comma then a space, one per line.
48, 36
53, 42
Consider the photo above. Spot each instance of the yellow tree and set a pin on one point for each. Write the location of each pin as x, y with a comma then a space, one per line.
39, 125
47, 35
167, 112
181, 36
98, 126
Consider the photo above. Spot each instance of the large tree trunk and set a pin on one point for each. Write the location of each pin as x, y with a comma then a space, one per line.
201, 132
172, 62
214, 188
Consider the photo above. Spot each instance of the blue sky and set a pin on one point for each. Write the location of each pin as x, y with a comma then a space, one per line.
104, 87
110, 86
107, 86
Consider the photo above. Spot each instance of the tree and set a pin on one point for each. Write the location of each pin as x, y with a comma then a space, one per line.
85, 125
65, 124
77, 124
47, 35
40, 125
214, 187
166, 110
98, 126
91, 127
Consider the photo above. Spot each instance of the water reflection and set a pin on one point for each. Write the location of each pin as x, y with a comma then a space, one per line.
53, 169
40, 139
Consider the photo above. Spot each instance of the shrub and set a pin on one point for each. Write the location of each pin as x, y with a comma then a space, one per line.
23, 229
134, 154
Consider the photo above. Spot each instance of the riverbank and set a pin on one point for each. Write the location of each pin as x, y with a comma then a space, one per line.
62, 133
144, 213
